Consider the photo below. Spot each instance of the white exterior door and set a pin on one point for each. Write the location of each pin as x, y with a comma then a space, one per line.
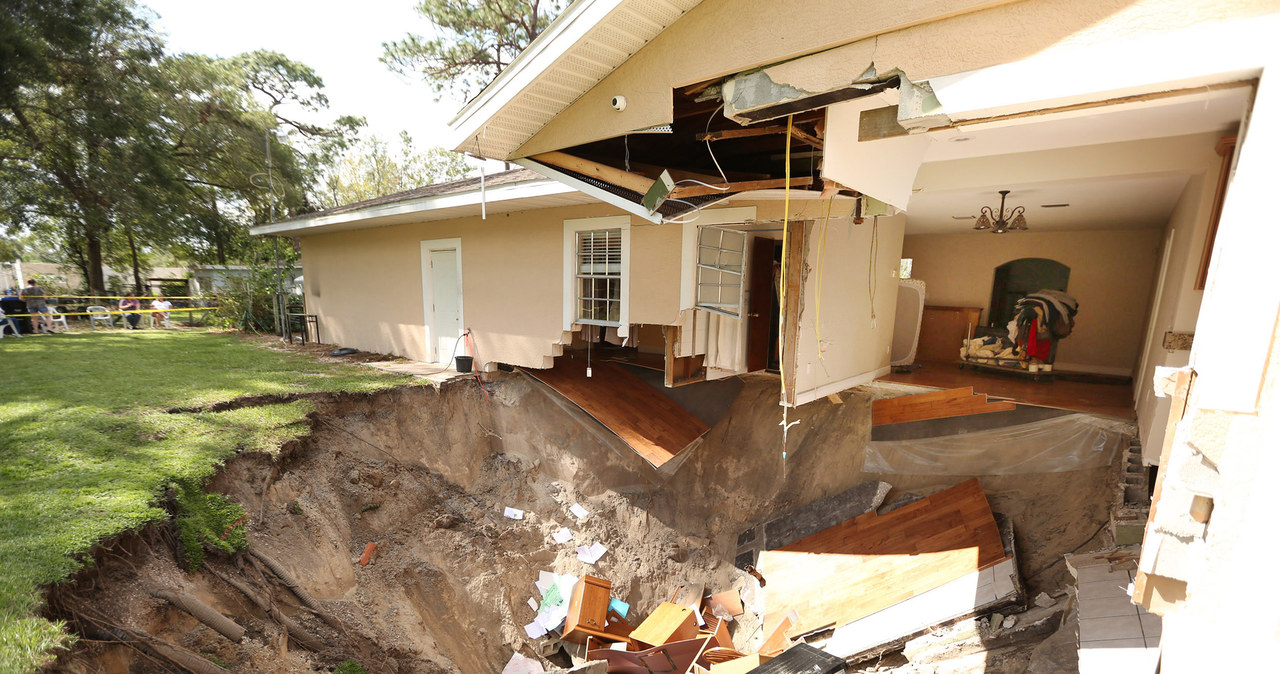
442, 297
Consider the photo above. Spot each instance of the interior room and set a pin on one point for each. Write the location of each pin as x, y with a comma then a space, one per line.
1110, 204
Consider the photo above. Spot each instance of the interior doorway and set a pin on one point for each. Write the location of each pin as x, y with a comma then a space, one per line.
442, 297
1016, 279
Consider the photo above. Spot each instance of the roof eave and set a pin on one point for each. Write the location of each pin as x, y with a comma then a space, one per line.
510, 192
570, 27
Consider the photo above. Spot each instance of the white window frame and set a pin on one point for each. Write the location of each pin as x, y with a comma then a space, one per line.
571, 230
689, 245
715, 269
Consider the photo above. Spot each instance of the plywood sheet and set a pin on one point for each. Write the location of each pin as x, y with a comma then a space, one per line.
648, 421
872, 562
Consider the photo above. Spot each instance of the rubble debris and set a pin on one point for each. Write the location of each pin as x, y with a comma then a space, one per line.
520, 664
1043, 600
367, 556
976, 635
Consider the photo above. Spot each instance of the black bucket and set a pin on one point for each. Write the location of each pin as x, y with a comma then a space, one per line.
463, 363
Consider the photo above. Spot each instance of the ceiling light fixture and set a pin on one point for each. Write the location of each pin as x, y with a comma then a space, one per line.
1001, 223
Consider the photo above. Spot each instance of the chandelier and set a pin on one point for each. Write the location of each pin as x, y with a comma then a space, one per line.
1001, 223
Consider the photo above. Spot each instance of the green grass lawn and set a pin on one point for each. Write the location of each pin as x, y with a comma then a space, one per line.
86, 446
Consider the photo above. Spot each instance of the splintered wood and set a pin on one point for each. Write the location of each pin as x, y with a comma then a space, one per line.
956, 402
648, 421
871, 562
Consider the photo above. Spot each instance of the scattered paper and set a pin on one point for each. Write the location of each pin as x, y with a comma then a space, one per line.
535, 630
618, 646
533, 604
562, 536
513, 513
519, 664
545, 580
592, 554
579, 512
553, 618
618, 606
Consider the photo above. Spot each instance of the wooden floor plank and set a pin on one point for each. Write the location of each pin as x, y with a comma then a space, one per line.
871, 562
648, 421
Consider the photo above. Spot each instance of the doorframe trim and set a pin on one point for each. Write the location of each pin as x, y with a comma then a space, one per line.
428, 314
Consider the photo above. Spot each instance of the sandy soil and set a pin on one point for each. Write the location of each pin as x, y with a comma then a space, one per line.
426, 474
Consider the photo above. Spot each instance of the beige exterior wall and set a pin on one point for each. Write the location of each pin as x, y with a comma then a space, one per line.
1112, 273
923, 38
366, 285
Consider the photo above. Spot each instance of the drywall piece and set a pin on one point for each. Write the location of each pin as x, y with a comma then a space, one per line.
520, 664
973, 594
884, 169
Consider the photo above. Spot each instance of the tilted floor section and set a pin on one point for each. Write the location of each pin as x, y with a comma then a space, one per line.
648, 421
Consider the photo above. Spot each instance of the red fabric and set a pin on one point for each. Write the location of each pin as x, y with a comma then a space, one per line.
1036, 347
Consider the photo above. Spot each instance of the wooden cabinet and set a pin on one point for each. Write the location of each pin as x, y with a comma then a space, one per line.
589, 613
943, 329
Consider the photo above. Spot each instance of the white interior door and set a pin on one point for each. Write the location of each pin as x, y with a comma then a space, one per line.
442, 292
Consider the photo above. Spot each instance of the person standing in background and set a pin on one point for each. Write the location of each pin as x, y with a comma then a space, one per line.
38, 306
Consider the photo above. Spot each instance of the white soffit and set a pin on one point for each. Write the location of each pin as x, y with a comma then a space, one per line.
588, 41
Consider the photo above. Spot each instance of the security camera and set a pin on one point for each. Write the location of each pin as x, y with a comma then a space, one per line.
619, 103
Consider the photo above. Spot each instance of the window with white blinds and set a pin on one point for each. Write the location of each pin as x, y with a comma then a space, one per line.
599, 277
721, 263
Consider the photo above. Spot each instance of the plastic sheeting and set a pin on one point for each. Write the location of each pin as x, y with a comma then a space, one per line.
1060, 444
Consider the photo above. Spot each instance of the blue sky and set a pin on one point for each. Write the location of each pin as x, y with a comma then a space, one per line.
342, 41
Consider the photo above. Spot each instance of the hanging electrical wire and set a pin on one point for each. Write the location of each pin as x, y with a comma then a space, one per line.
782, 304
871, 266
822, 265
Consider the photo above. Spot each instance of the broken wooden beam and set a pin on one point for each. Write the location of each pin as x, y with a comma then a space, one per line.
614, 176
805, 138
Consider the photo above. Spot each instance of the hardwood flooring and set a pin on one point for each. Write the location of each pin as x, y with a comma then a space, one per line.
956, 402
1111, 399
872, 562
648, 421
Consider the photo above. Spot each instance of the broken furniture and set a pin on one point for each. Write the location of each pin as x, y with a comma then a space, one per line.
669, 622
590, 616
943, 329
677, 657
